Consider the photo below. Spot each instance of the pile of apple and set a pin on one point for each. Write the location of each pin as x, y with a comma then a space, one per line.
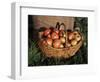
57, 38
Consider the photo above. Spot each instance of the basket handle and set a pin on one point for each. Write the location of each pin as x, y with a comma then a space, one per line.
57, 25
62, 24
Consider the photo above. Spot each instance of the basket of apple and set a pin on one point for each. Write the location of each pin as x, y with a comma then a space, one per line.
59, 42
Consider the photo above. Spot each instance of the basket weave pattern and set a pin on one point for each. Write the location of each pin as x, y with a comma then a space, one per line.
58, 53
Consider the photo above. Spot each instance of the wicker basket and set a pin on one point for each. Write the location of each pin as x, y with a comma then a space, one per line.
60, 53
